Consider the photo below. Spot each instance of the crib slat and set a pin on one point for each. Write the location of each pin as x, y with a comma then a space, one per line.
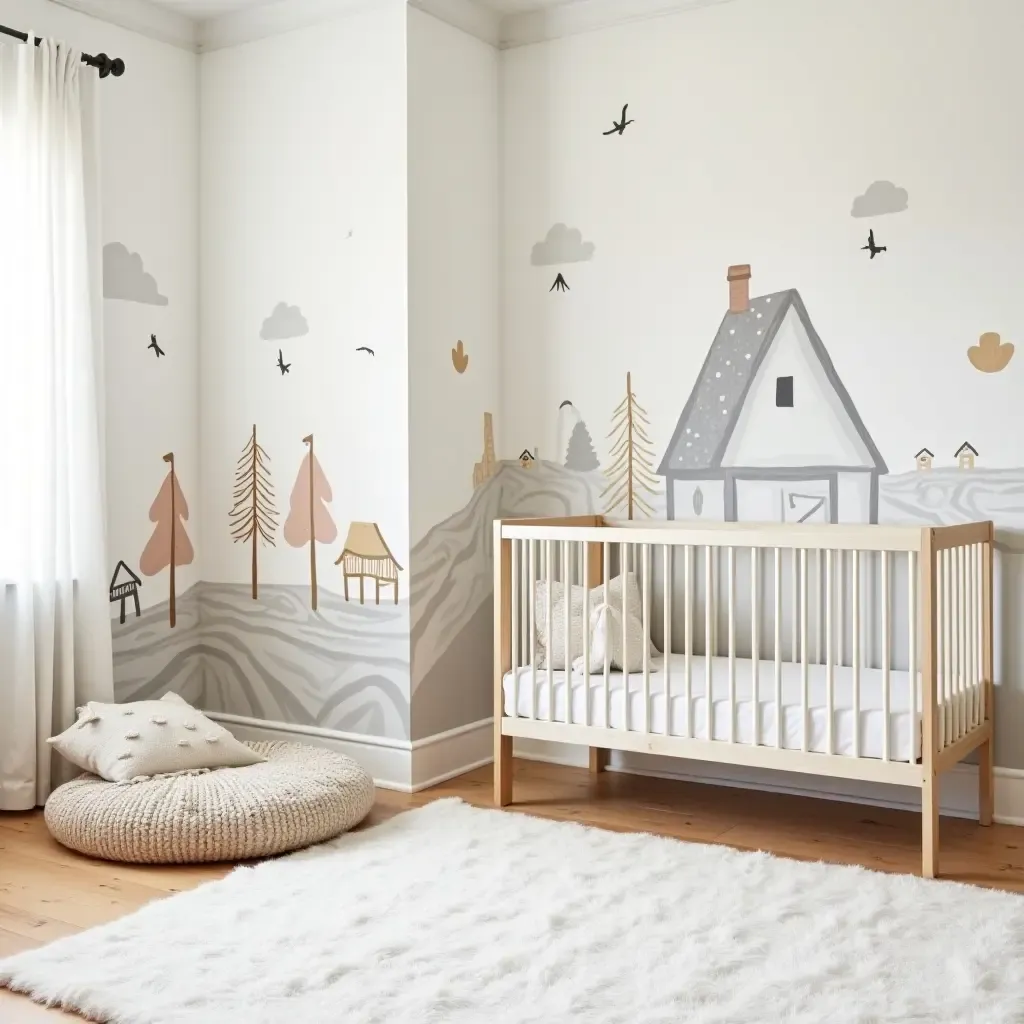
564, 549
804, 676
778, 647
830, 673
731, 571
606, 568
947, 650
855, 609
533, 626
516, 619
816, 607
550, 619
624, 550
708, 618
886, 635
961, 627
585, 571
954, 638
912, 628
645, 554
688, 638
666, 602
841, 608
794, 646
755, 647
975, 638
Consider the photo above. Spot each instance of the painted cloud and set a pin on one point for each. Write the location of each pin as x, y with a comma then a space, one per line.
124, 277
881, 197
285, 322
562, 245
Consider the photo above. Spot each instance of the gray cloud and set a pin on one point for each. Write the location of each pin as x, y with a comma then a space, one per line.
881, 197
285, 322
562, 245
125, 278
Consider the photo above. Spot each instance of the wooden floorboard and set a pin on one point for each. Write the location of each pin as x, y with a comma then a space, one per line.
47, 892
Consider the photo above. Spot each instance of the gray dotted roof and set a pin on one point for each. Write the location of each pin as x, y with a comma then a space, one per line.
716, 401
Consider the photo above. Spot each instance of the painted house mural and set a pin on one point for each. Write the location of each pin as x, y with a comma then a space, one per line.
769, 432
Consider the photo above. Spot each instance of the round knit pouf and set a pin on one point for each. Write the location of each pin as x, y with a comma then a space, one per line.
299, 796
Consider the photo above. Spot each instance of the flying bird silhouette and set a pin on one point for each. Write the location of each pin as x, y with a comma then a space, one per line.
363, 348
282, 365
560, 284
871, 247
155, 347
620, 126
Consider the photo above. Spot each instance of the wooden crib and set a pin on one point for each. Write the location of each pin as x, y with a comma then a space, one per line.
861, 652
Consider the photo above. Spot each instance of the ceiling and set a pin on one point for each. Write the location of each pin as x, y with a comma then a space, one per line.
202, 9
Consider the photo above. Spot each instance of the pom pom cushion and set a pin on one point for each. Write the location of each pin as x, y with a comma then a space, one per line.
294, 796
121, 742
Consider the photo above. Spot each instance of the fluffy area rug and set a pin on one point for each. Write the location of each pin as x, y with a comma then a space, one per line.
449, 913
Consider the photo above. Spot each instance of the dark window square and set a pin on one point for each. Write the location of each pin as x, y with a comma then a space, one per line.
784, 392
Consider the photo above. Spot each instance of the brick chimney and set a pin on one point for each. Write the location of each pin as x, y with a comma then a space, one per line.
739, 288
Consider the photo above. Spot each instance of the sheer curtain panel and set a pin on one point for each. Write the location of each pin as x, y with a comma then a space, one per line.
55, 650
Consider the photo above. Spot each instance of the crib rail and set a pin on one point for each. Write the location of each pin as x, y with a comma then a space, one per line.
861, 651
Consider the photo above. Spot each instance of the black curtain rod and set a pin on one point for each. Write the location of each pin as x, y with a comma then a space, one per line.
101, 61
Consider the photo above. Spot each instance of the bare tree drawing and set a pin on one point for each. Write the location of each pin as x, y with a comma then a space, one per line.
253, 517
169, 546
631, 470
308, 520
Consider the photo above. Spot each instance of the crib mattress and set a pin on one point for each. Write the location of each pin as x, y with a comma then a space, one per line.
904, 729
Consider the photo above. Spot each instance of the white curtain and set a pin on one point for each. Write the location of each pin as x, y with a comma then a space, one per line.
55, 649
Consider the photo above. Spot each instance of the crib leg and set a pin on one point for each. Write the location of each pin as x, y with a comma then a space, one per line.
930, 827
598, 760
502, 770
985, 783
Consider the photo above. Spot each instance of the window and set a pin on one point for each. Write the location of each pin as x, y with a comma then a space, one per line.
784, 392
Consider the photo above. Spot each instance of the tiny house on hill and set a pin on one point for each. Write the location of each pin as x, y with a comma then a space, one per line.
769, 432
965, 455
366, 555
124, 584
924, 458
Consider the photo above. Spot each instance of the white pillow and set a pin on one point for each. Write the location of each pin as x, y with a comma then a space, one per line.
121, 742
599, 614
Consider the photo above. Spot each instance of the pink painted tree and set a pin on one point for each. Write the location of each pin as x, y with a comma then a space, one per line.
308, 519
169, 546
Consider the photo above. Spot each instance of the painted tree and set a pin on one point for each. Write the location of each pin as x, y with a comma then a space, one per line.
631, 470
169, 546
580, 455
308, 520
253, 517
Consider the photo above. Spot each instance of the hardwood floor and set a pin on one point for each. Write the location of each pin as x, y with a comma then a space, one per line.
47, 891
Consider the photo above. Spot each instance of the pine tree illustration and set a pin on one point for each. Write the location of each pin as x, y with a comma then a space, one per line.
580, 455
631, 470
253, 517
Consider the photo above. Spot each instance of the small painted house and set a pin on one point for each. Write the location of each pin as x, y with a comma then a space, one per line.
527, 459
366, 556
924, 459
125, 584
965, 455
769, 432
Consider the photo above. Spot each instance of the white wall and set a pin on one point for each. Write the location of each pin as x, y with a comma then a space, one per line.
303, 141
756, 125
149, 175
454, 246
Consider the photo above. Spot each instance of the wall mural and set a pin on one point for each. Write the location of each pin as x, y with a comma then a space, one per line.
487, 466
169, 546
881, 197
281, 364
730, 433
253, 518
631, 473
560, 284
991, 354
154, 345
367, 350
460, 359
308, 520
619, 127
124, 584
284, 323
125, 277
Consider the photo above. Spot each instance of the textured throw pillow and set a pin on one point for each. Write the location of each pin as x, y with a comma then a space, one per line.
598, 617
121, 742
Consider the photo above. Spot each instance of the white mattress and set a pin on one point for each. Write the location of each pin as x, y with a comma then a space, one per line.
871, 717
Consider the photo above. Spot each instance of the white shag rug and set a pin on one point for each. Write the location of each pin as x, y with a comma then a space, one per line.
449, 913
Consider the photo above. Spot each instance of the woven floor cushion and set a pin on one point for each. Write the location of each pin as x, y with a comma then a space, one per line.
299, 796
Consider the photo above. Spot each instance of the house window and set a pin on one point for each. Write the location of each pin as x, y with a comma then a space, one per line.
784, 392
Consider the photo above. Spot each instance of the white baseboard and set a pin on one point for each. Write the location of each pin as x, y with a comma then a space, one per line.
403, 765
958, 792
388, 761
